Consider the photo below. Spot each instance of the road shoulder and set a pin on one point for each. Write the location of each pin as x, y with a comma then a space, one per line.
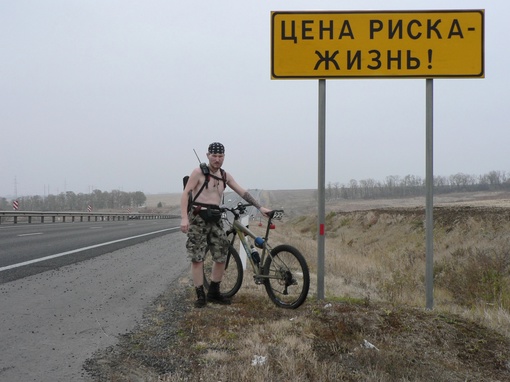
54, 321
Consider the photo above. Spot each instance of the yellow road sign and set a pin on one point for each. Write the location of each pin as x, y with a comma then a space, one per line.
377, 44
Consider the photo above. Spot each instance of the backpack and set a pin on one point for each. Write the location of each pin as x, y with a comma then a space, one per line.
208, 176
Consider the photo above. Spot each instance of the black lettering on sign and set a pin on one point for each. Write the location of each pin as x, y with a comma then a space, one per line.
414, 29
305, 28
326, 59
376, 60
346, 30
455, 30
292, 35
323, 29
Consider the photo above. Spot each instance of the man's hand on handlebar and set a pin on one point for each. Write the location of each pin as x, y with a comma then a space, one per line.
265, 211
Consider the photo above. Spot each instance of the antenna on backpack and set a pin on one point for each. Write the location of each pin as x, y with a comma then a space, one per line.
197, 156
203, 166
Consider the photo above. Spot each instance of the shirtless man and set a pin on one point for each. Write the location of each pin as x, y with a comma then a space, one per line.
204, 225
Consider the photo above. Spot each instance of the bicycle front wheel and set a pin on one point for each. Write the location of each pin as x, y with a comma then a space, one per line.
233, 275
287, 278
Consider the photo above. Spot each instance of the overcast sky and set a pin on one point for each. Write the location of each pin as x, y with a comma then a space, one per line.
116, 94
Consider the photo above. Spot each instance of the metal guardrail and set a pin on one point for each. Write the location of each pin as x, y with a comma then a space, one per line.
62, 217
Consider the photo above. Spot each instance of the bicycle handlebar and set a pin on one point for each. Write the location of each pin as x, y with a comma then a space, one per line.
240, 208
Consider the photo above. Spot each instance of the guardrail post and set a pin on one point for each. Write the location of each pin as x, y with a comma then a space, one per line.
42, 219
29, 219
15, 220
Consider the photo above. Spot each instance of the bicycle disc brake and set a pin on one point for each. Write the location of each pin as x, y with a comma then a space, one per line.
288, 280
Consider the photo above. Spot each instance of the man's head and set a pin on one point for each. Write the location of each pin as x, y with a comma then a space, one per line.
216, 148
216, 154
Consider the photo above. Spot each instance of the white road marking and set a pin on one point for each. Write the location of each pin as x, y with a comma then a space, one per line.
30, 234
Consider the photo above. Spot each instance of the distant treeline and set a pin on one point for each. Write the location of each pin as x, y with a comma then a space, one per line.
69, 201
411, 185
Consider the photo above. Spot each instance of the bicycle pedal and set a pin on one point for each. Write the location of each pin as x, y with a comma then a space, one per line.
258, 280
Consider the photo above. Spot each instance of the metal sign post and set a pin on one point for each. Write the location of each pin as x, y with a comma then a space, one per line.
322, 190
429, 202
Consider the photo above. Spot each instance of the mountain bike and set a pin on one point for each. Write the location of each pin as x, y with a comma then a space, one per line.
283, 269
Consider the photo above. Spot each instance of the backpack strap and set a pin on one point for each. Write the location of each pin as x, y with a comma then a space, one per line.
200, 191
224, 176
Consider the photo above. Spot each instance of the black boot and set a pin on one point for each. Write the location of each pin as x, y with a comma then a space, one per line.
201, 300
214, 295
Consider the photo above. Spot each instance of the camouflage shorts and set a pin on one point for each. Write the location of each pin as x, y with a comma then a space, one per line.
201, 235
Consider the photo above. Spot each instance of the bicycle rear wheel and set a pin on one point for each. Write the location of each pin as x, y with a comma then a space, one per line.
233, 276
287, 278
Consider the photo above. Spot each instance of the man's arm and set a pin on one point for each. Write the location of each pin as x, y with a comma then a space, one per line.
250, 199
246, 195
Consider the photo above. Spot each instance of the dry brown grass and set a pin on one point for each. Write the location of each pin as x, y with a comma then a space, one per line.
380, 255
375, 267
332, 342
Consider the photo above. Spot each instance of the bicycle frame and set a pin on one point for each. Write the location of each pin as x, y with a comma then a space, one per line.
243, 232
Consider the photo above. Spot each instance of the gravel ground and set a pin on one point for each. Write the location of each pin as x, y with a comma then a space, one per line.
54, 321
146, 352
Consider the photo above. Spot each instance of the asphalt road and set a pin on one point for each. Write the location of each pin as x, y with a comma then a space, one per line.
51, 322
28, 249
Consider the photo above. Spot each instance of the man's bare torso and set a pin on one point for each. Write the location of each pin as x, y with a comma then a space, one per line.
213, 192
